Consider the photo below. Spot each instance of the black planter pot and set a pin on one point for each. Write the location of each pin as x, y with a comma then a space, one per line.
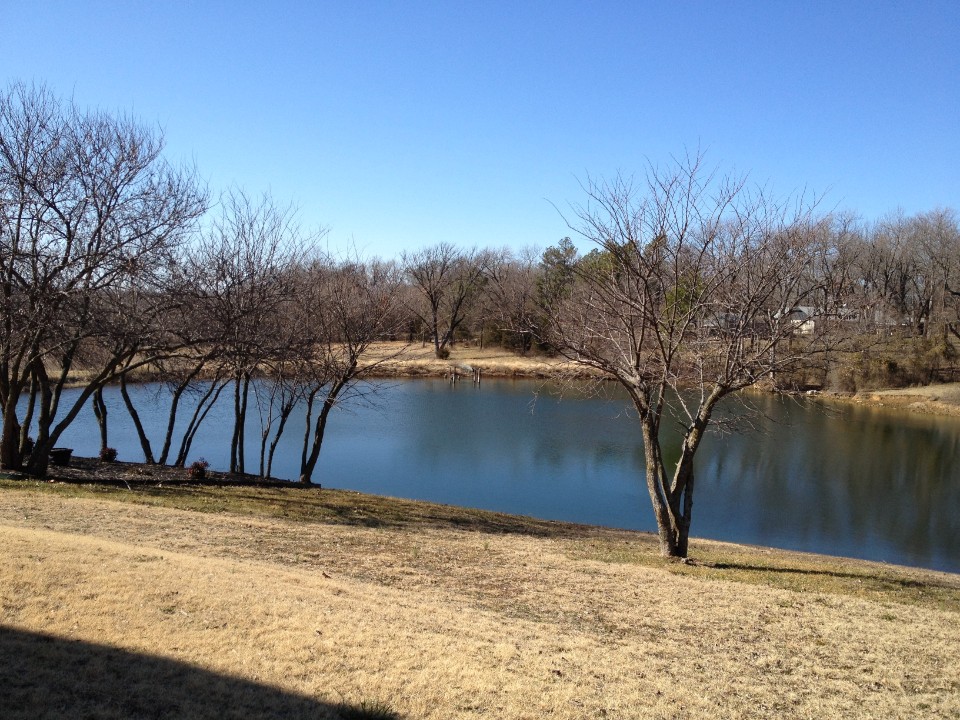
61, 456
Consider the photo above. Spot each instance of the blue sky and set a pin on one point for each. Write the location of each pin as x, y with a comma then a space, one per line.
403, 124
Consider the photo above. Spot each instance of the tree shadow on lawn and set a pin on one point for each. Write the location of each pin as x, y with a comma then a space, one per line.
252, 495
348, 507
901, 583
42, 676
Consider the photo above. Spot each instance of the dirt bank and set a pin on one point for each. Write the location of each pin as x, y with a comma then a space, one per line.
941, 399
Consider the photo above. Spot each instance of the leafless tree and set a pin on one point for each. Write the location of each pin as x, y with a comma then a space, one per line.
937, 236
357, 305
244, 268
191, 367
90, 212
287, 376
511, 296
448, 281
901, 281
688, 297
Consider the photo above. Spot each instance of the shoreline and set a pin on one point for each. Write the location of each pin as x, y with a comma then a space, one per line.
940, 400
121, 478
399, 360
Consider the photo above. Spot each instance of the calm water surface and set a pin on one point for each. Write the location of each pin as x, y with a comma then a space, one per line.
852, 481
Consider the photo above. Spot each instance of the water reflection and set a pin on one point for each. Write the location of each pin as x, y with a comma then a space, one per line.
851, 481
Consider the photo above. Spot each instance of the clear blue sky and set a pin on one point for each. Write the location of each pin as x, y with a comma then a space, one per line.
404, 124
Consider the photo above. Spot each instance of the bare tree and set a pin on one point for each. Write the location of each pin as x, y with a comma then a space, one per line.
288, 375
908, 261
90, 212
191, 367
511, 296
357, 305
448, 281
244, 267
688, 297
937, 236
282, 388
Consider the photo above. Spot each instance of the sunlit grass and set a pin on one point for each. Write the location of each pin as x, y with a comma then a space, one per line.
360, 606
769, 567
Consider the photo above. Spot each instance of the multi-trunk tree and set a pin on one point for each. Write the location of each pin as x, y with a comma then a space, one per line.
687, 297
446, 283
91, 219
245, 266
359, 303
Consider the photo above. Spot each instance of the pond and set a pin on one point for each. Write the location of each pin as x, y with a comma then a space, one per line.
848, 480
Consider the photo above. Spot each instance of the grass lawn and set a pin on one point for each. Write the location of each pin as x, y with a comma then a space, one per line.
172, 600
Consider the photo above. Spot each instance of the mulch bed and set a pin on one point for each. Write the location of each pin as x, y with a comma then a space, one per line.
83, 470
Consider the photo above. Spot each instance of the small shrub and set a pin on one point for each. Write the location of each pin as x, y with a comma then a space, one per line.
443, 353
108, 454
198, 469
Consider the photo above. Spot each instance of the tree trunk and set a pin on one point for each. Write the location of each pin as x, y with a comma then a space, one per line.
26, 442
284, 415
679, 493
240, 394
684, 516
307, 425
100, 412
673, 501
236, 424
135, 416
672, 539
10, 440
40, 457
241, 452
307, 467
39, 461
435, 328
658, 489
199, 413
172, 417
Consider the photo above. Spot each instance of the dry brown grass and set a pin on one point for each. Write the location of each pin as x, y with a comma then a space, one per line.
308, 603
419, 360
937, 399
940, 399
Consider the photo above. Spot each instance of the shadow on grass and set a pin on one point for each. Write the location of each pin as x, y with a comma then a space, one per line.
347, 507
897, 582
47, 677
252, 495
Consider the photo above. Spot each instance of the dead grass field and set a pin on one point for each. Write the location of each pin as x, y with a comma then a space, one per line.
419, 360
939, 399
270, 602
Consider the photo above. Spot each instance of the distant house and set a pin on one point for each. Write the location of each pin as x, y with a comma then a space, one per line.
802, 317
720, 323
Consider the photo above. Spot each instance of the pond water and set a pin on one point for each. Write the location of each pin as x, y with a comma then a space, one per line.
848, 481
